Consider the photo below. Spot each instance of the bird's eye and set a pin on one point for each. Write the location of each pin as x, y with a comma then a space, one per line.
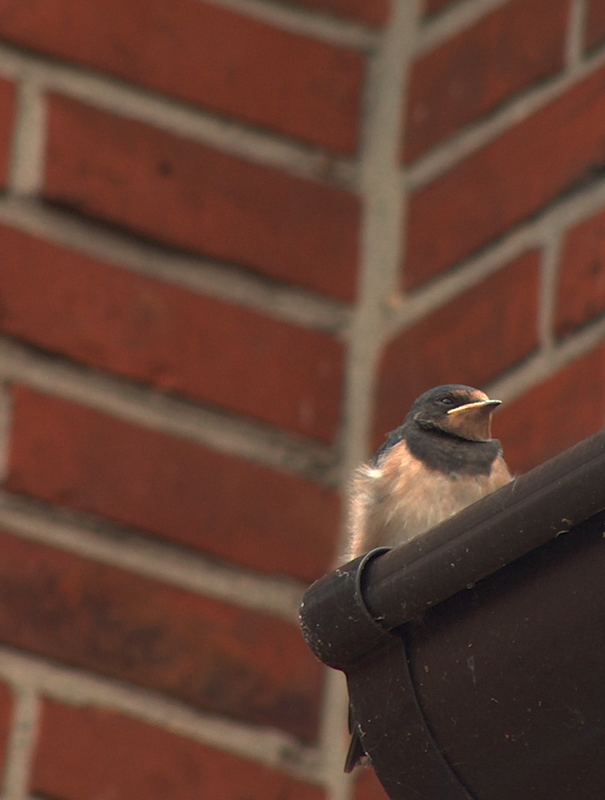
447, 401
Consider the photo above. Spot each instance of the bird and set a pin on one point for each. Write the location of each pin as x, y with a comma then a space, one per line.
439, 460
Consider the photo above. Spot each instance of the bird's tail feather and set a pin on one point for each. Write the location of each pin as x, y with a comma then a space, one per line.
355, 752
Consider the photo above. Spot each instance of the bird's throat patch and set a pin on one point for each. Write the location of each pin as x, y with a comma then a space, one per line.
450, 454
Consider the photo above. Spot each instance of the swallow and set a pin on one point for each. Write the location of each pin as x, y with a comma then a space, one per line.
440, 460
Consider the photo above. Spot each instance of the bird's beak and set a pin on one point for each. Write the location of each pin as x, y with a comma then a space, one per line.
486, 404
472, 421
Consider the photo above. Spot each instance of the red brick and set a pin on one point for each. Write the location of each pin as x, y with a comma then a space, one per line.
223, 659
100, 754
375, 12
581, 290
207, 55
171, 488
471, 340
474, 72
556, 414
507, 181
187, 195
169, 337
6, 714
594, 29
368, 787
7, 120
437, 6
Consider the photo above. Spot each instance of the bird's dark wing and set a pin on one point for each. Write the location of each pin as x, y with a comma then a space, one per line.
393, 438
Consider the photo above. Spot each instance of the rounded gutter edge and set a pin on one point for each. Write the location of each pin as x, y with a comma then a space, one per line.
335, 620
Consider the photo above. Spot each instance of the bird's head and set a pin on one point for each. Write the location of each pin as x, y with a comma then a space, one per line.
456, 410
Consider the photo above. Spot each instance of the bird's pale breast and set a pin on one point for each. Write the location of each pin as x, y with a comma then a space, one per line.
400, 499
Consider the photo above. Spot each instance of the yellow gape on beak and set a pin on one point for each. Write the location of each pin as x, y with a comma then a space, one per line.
492, 404
472, 420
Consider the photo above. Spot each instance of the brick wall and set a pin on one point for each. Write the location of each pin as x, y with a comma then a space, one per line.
237, 237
